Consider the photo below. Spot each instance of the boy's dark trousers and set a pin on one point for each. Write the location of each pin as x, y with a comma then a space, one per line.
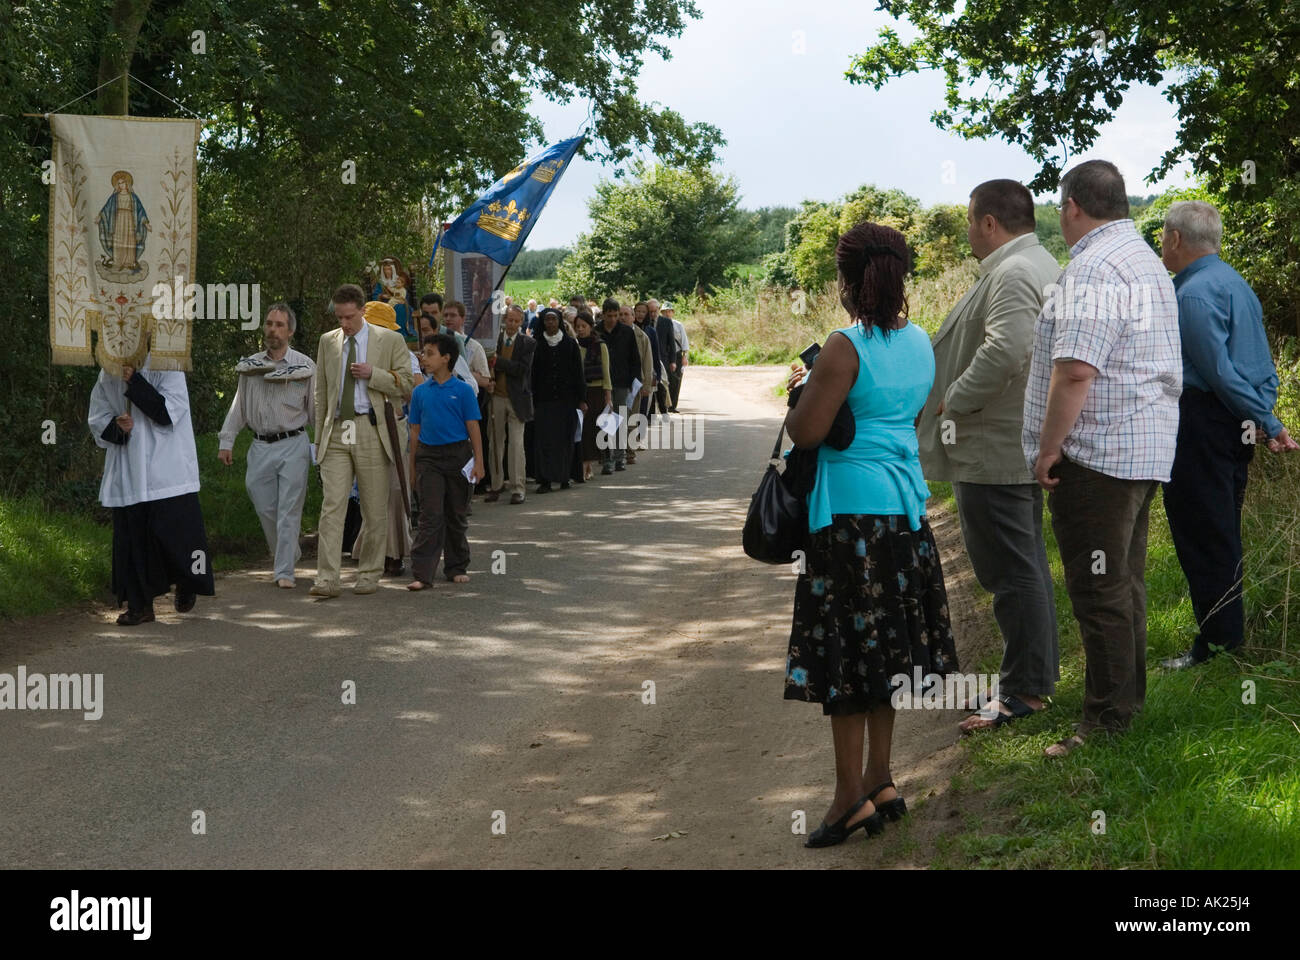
444, 501
1203, 501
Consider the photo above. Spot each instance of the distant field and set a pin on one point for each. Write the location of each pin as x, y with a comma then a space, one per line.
539, 290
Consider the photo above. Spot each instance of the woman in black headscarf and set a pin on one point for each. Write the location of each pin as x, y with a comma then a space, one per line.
558, 390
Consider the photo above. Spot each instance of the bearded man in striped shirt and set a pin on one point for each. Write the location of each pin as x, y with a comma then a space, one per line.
275, 400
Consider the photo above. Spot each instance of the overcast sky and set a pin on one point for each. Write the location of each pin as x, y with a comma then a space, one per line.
796, 128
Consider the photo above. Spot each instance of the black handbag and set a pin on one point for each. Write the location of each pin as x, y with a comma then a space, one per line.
777, 523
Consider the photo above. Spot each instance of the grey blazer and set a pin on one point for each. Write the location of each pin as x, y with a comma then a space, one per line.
981, 368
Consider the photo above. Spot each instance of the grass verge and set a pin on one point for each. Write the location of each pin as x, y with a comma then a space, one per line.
50, 559
1207, 777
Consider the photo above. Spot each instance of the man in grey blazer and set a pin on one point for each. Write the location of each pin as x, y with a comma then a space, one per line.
969, 434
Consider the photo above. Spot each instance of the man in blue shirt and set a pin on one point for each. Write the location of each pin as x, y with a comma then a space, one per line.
1229, 389
444, 422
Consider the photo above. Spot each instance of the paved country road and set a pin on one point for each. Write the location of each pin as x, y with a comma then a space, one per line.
514, 700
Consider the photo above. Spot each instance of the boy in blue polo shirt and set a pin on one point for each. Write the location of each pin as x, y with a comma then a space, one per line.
444, 435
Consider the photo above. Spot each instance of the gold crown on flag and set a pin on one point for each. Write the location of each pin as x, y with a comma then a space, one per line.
504, 222
546, 172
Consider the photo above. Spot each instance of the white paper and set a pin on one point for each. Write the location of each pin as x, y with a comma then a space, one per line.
609, 421
636, 388
577, 434
468, 470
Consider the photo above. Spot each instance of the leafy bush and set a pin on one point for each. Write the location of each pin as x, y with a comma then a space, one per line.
663, 232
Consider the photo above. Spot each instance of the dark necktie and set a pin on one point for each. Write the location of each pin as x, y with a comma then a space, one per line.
346, 405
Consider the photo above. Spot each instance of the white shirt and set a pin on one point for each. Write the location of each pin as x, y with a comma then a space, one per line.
157, 461
683, 343
462, 370
269, 406
360, 399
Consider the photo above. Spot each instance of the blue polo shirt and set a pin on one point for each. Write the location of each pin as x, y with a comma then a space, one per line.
441, 409
1225, 348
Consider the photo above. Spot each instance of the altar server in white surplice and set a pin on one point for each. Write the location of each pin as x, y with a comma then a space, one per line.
151, 484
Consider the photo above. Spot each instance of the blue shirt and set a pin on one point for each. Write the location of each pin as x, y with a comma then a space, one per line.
880, 472
1225, 349
441, 409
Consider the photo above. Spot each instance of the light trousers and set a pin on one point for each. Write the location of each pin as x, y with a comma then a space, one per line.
365, 460
276, 480
507, 425
397, 534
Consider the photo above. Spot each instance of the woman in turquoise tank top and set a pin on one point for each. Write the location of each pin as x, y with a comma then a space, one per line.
871, 604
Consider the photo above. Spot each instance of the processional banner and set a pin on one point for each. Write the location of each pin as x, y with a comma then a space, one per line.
122, 220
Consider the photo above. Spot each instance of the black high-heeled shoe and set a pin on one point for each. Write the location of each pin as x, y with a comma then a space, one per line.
830, 834
891, 810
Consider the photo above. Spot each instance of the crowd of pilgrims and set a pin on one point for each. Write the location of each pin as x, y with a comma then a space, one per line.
526, 413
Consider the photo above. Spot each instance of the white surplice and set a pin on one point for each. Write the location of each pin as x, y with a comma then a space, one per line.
158, 461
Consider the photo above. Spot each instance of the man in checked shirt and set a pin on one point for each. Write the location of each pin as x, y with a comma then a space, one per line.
1100, 426
274, 399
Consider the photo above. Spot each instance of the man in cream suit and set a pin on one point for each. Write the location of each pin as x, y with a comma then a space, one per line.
969, 434
357, 367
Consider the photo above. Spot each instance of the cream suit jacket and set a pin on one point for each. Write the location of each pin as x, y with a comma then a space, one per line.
390, 377
981, 367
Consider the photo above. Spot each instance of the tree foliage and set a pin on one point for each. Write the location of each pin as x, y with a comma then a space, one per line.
936, 236
538, 264
1048, 74
769, 225
660, 231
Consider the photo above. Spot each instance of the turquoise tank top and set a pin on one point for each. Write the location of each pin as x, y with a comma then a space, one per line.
880, 472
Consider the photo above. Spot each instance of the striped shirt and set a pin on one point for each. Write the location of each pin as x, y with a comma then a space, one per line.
1113, 308
270, 406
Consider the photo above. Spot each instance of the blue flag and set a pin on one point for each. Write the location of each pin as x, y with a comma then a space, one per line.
498, 223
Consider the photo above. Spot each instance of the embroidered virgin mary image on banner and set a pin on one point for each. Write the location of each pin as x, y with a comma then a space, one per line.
122, 219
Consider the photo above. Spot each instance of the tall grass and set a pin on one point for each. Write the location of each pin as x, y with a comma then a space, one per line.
1207, 777
749, 322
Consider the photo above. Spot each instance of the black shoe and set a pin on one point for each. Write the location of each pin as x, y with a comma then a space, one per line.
543, 488
606, 470
620, 466
184, 602
132, 618
891, 810
828, 835
566, 485
1183, 661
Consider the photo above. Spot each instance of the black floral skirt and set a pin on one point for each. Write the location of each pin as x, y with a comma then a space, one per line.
871, 605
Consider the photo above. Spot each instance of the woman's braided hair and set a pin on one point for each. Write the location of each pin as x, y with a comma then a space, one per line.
873, 262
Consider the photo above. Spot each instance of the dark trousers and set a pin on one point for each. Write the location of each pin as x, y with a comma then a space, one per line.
158, 543
444, 504
1100, 524
616, 452
1002, 526
675, 383
1203, 499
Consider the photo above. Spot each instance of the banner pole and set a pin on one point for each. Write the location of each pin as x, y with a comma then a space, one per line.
490, 300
